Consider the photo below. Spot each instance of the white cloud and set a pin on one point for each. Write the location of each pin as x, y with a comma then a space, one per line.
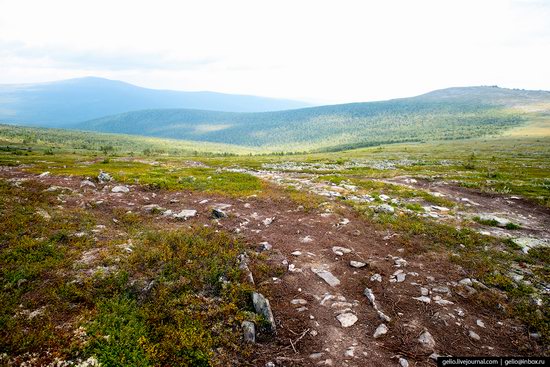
321, 50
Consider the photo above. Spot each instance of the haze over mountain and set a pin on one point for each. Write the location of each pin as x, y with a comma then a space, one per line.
453, 113
56, 104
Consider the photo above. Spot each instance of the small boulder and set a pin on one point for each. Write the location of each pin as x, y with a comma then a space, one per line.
87, 183
327, 276
384, 208
264, 246
249, 331
426, 340
347, 319
357, 264
474, 335
104, 177
380, 330
340, 251
218, 213
185, 214
120, 189
262, 307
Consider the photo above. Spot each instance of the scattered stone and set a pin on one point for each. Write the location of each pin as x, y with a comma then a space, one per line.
268, 221
440, 289
384, 208
343, 222
357, 264
44, 214
153, 207
466, 281
264, 246
167, 213
424, 291
306, 239
423, 299
426, 340
399, 276
104, 177
249, 331
87, 183
316, 355
218, 213
262, 307
120, 189
444, 302
400, 262
347, 319
296, 253
327, 277
350, 352
403, 362
185, 214
44, 174
340, 251
473, 335
370, 295
380, 330
384, 197
299, 301
480, 323
376, 278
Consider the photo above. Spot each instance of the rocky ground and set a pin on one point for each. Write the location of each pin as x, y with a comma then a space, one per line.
348, 293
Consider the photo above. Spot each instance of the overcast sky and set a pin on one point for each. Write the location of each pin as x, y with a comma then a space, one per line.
323, 51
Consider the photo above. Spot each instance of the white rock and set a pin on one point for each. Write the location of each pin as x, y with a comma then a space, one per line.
347, 319
87, 183
423, 299
426, 340
424, 291
44, 174
327, 277
185, 214
357, 264
296, 253
340, 250
466, 281
299, 301
384, 197
473, 335
403, 362
384, 208
121, 189
376, 278
480, 323
380, 330
444, 302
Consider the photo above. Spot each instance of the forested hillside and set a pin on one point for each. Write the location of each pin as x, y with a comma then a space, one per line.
454, 113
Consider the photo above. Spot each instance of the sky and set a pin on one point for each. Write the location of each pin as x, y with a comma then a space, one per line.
319, 51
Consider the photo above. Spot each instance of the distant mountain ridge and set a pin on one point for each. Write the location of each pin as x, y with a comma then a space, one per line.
453, 113
55, 104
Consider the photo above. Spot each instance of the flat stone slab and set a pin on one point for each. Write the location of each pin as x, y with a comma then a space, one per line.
327, 277
186, 213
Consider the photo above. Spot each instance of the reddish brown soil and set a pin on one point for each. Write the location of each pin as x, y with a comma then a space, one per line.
296, 339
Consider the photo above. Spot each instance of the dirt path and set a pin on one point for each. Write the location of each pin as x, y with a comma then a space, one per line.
322, 314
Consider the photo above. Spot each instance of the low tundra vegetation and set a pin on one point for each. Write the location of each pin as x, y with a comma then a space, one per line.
164, 298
